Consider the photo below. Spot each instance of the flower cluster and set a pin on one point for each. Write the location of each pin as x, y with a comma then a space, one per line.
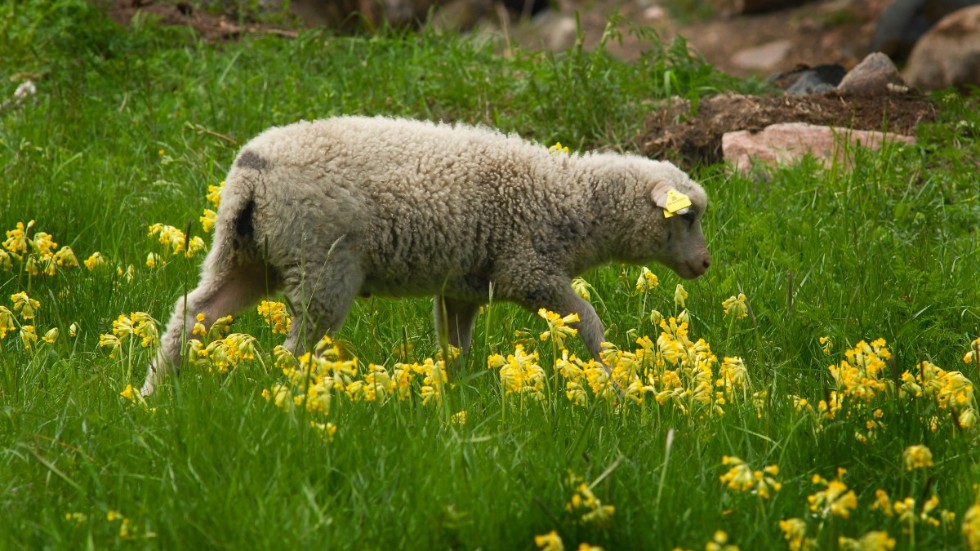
585, 506
136, 325
26, 309
175, 241
38, 254
274, 313
950, 392
741, 478
835, 499
209, 217
520, 372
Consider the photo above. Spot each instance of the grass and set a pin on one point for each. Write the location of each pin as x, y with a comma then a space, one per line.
130, 127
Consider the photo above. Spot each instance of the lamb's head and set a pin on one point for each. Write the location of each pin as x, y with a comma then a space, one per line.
667, 223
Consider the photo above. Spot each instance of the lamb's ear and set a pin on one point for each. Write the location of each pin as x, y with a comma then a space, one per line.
658, 194
672, 201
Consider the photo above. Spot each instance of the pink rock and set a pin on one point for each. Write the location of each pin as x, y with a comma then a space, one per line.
786, 143
871, 77
949, 54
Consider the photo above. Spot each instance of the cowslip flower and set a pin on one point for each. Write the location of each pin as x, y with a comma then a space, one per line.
585, 503
647, 281
719, 542
51, 336
6, 322
872, 541
558, 329
835, 499
581, 288
549, 542
28, 336
916, 457
128, 393
558, 149
971, 527
736, 306
94, 261
740, 477
680, 296
25, 305
65, 258
153, 260
827, 345
794, 531
274, 313
214, 194
17, 241
208, 219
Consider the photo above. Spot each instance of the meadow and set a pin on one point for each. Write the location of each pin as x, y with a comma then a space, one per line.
814, 390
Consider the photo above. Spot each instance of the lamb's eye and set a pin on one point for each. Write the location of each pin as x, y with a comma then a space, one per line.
690, 216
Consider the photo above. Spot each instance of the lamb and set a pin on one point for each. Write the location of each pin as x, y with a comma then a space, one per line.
328, 210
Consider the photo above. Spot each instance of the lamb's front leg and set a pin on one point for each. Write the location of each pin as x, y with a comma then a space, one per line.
555, 294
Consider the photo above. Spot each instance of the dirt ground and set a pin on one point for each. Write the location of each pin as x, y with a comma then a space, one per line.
672, 134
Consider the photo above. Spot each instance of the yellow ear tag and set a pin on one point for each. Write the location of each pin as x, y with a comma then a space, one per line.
676, 202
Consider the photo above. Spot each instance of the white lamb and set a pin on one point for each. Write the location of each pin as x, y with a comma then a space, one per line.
331, 209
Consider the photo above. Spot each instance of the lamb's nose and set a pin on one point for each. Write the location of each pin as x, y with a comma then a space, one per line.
707, 262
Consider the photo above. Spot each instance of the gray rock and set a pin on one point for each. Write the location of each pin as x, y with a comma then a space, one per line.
903, 22
875, 75
949, 54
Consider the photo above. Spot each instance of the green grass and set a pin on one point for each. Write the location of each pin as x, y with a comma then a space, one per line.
129, 127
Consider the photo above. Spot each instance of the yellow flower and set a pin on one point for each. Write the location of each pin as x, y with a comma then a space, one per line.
736, 306
327, 430
558, 329
153, 260
77, 518
835, 499
589, 547
17, 241
6, 321
169, 236
112, 342
214, 194
96, 260
916, 457
208, 219
28, 336
740, 477
25, 305
459, 418
680, 296
647, 281
195, 245
44, 244
585, 503
558, 148
129, 394
113, 516
274, 313
826, 345
549, 542
872, 541
794, 531
51, 336
719, 542
971, 527
65, 258
581, 288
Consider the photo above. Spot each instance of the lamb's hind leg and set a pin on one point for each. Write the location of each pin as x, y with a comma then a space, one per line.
454, 320
320, 299
216, 296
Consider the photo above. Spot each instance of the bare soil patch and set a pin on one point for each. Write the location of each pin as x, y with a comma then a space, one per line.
674, 133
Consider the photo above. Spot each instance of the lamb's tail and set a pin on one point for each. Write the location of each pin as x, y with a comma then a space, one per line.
234, 230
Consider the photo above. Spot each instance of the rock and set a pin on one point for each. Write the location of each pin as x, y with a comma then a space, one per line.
903, 22
805, 80
786, 143
949, 54
875, 75
764, 57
